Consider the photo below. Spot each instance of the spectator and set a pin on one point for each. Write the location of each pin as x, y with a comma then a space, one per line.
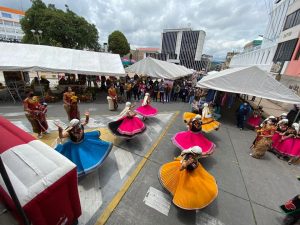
167, 92
293, 115
176, 92
161, 91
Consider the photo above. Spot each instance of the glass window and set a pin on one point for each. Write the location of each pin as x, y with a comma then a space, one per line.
17, 24
8, 23
292, 20
10, 30
6, 15
285, 51
11, 36
297, 18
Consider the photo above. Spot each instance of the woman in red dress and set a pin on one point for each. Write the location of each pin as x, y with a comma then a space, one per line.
36, 114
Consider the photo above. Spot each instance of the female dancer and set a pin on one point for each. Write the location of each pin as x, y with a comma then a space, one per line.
292, 210
285, 144
36, 114
281, 127
146, 110
86, 150
296, 146
190, 184
128, 125
67, 101
208, 122
193, 137
255, 119
74, 111
263, 140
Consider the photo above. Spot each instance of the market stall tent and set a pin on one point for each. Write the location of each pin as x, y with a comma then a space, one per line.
158, 69
250, 81
27, 57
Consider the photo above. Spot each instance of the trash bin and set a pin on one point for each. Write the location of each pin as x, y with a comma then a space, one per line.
45, 181
110, 103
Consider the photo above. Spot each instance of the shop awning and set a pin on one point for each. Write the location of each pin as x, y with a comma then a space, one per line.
251, 81
27, 57
158, 69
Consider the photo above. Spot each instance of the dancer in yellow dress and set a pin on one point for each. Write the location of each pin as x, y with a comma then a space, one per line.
190, 184
209, 124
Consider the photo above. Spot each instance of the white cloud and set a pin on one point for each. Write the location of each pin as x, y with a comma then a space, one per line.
229, 24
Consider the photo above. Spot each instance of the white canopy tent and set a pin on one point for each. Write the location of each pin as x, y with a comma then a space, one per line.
26, 57
251, 81
158, 69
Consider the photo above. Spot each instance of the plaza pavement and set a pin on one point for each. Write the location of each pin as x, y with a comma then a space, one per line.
250, 190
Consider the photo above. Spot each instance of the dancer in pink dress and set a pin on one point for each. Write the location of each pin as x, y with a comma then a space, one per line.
256, 117
285, 144
296, 146
146, 110
193, 137
281, 127
128, 125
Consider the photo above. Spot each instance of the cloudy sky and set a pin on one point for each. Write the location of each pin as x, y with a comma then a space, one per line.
229, 24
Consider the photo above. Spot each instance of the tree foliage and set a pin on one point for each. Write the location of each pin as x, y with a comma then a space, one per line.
60, 28
117, 43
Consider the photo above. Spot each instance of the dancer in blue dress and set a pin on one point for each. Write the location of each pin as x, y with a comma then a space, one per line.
86, 150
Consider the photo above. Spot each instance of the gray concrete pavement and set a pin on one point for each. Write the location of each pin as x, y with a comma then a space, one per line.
250, 190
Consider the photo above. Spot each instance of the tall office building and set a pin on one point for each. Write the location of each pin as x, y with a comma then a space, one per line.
262, 56
10, 28
184, 46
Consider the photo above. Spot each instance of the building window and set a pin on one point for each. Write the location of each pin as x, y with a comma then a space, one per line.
292, 20
10, 30
6, 15
298, 54
8, 23
285, 51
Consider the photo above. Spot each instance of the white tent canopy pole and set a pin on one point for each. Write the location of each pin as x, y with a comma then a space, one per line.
158, 69
26, 57
250, 81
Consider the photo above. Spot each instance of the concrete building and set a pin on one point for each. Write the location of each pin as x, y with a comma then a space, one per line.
263, 55
287, 56
10, 28
141, 53
228, 59
184, 46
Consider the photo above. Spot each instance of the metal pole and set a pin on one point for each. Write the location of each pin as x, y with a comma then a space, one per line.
42, 91
259, 102
12, 192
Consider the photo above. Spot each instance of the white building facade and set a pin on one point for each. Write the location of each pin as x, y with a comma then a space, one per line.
10, 28
262, 56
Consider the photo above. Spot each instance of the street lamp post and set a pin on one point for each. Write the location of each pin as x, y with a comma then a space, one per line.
37, 34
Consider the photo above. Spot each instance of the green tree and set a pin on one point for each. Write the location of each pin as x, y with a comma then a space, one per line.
117, 43
60, 28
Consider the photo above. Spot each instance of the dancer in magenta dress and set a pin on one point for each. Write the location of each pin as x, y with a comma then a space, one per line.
296, 147
285, 144
146, 110
281, 127
194, 137
128, 125
256, 117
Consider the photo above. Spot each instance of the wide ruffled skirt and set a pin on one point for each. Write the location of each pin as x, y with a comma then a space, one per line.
289, 147
187, 116
190, 189
209, 125
147, 111
89, 154
285, 147
127, 127
275, 139
187, 139
254, 121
